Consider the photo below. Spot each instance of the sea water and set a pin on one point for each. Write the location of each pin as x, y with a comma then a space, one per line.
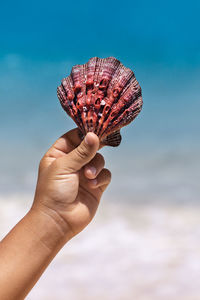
144, 242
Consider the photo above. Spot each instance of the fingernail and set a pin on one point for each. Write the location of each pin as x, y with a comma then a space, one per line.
92, 170
88, 140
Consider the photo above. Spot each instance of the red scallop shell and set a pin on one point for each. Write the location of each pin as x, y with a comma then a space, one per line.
101, 96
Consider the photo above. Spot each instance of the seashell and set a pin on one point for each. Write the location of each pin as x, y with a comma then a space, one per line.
101, 96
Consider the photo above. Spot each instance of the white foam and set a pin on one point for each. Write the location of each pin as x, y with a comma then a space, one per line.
127, 252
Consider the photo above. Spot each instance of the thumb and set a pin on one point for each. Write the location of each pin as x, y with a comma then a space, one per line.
81, 155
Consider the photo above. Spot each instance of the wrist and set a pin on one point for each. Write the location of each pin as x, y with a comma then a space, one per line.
52, 231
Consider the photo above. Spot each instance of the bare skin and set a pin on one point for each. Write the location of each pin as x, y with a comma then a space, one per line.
71, 181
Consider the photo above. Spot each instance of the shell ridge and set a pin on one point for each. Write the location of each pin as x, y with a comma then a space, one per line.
114, 75
121, 112
105, 116
73, 109
111, 87
76, 80
101, 63
126, 117
74, 103
113, 140
119, 71
90, 124
113, 104
132, 81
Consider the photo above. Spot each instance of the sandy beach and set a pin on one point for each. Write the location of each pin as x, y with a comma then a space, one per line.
146, 252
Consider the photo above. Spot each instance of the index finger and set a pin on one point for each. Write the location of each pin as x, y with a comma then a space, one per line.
65, 144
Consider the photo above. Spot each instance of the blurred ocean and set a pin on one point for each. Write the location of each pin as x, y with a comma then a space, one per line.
144, 243
158, 159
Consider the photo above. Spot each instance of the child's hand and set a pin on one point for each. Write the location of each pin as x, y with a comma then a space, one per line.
65, 201
68, 188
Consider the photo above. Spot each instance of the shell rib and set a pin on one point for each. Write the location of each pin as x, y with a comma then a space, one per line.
101, 96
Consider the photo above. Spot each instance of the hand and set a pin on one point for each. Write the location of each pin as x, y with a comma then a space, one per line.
71, 181
67, 196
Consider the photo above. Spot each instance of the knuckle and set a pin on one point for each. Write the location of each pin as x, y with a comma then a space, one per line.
108, 175
100, 159
81, 152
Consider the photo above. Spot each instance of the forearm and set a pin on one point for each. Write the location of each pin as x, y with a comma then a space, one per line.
27, 250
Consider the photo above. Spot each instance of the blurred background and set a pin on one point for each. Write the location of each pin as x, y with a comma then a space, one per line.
145, 240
